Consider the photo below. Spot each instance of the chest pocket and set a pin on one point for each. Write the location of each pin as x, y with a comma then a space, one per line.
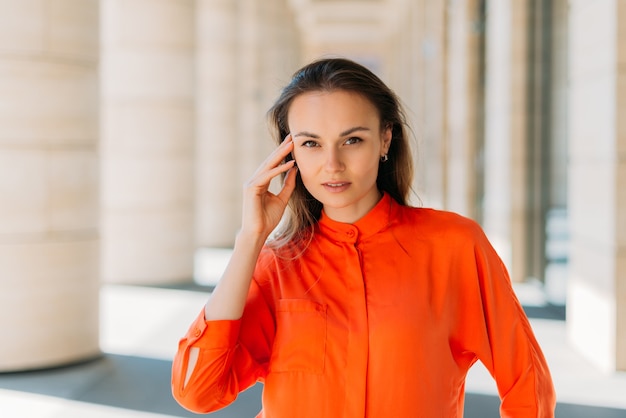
300, 342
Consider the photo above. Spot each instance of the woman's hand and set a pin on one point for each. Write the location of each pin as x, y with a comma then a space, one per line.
262, 210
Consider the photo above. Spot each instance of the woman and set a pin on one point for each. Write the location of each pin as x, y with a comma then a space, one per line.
360, 305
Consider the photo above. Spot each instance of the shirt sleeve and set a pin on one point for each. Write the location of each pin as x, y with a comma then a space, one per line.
233, 355
499, 333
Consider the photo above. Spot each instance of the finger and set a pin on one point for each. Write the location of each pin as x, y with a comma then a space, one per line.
278, 155
289, 186
262, 179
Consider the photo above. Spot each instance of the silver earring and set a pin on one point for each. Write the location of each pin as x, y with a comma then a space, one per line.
384, 158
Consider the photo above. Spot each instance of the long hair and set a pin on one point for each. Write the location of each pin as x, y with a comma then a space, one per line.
339, 74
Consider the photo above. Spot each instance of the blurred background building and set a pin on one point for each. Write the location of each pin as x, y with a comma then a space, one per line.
128, 126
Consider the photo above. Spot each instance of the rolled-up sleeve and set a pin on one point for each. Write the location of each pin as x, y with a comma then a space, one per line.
232, 356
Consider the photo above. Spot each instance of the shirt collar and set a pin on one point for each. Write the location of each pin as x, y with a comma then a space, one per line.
374, 221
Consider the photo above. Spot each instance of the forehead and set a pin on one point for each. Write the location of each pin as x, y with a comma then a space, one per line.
332, 107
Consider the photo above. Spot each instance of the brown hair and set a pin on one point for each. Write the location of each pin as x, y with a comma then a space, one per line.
332, 74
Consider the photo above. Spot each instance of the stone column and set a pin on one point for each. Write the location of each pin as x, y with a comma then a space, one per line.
147, 140
218, 184
596, 302
505, 132
281, 56
253, 138
428, 96
246, 53
268, 56
461, 100
498, 132
48, 183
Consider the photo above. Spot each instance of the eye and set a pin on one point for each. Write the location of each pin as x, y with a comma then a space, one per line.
310, 144
353, 140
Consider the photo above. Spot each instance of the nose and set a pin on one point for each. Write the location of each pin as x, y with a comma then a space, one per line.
333, 161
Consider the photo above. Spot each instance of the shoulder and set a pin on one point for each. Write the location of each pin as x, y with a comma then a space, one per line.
452, 238
265, 265
439, 224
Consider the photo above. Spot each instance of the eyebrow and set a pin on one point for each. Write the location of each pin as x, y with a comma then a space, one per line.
344, 133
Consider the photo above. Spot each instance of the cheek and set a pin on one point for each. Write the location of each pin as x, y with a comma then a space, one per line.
306, 163
304, 172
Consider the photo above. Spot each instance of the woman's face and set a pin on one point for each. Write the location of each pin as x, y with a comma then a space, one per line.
338, 143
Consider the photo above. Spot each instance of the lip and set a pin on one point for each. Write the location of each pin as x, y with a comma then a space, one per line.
336, 186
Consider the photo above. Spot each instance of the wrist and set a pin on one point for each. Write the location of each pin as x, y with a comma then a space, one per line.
250, 239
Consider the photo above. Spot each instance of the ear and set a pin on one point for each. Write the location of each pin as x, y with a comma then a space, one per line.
386, 137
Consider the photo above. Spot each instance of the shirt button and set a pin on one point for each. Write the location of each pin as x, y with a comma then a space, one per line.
350, 233
197, 333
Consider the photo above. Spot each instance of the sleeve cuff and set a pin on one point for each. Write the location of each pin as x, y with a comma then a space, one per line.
213, 334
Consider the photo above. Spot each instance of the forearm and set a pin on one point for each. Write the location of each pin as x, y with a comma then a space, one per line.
229, 296
228, 299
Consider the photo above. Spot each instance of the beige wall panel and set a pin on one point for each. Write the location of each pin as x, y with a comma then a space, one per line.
312, 51
136, 120
73, 28
48, 191
595, 45
155, 75
52, 281
61, 110
157, 248
597, 102
72, 190
55, 282
22, 26
139, 184
143, 23
63, 28
45, 265
23, 202
593, 203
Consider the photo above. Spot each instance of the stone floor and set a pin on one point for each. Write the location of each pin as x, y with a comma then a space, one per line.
140, 327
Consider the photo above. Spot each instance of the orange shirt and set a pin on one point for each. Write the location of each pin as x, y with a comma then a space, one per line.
381, 318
